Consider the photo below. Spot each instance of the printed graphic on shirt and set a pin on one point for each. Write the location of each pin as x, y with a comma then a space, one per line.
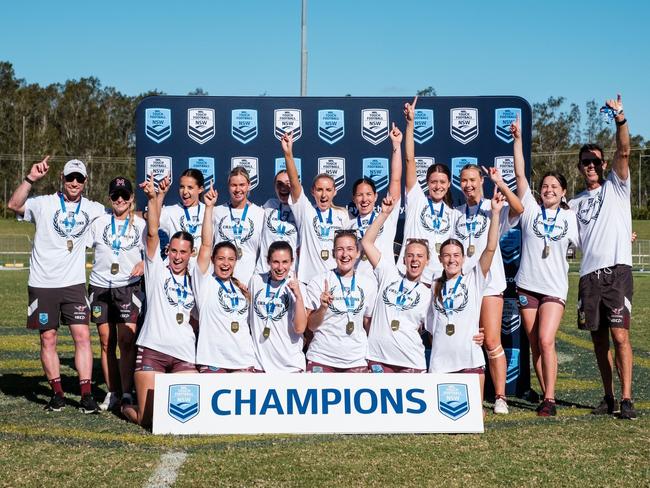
477, 226
401, 300
559, 227
460, 300
283, 226
130, 240
324, 231
589, 208
355, 298
270, 309
194, 227
434, 223
232, 303
231, 226
70, 225
174, 290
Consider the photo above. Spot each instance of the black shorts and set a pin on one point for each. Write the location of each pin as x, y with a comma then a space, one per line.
116, 305
49, 307
605, 298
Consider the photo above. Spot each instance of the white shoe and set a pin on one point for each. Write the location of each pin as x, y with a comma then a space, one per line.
110, 401
500, 406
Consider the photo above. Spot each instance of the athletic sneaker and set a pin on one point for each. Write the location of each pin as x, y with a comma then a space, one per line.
56, 403
547, 409
607, 406
627, 410
127, 399
88, 404
110, 401
500, 406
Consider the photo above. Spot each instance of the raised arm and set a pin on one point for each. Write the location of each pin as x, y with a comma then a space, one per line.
485, 260
621, 163
516, 208
370, 236
409, 144
153, 212
395, 187
518, 154
207, 231
300, 312
17, 201
292, 171
315, 317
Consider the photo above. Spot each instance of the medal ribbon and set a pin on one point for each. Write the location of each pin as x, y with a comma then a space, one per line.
270, 306
281, 227
232, 293
69, 224
436, 221
116, 243
347, 297
238, 229
548, 228
192, 227
448, 300
362, 228
181, 291
324, 231
470, 223
400, 301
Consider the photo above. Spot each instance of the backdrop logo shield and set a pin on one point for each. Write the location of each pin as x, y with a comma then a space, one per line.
374, 125
453, 400
183, 402
464, 124
251, 165
377, 170
503, 117
206, 166
421, 166
288, 120
331, 125
423, 125
158, 123
335, 167
244, 125
507, 166
457, 164
200, 124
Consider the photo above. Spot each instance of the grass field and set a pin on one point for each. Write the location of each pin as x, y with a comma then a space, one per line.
574, 449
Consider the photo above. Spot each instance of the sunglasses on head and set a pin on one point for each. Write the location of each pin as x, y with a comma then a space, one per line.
125, 195
595, 161
75, 176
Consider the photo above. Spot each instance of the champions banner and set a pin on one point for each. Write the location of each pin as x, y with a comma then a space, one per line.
242, 403
346, 137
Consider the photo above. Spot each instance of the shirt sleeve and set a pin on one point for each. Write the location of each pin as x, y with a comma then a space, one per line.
314, 291
299, 207
621, 187
371, 298
32, 209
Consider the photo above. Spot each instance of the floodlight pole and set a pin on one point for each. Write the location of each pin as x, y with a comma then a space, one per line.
303, 50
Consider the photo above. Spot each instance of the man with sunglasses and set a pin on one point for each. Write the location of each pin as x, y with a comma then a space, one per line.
57, 275
605, 290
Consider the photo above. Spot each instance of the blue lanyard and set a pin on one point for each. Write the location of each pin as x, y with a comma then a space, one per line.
470, 224
237, 226
347, 297
69, 224
448, 301
436, 221
324, 231
192, 227
270, 305
282, 229
548, 228
232, 293
403, 295
361, 227
115, 245
181, 292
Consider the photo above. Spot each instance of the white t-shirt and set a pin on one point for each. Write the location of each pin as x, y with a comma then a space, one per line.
385, 238
51, 264
273, 306
167, 296
224, 336
129, 238
174, 219
419, 223
406, 302
451, 353
279, 225
605, 224
479, 223
316, 237
248, 239
545, 275
332, 345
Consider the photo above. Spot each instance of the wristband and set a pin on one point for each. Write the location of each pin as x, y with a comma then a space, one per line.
622, 122
28, 180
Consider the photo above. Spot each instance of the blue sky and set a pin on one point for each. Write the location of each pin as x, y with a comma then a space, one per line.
580, 50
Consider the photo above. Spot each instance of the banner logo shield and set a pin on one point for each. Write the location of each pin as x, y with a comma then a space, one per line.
374, 125
159, 166
503, 117
377, 170
457, 164
511, 320
281, 164
335, 167
507, 166
421, 166
453, 400
158, 123
331, 125
423, 125
464, 124
206, 166
288, 120
512, 359
183, 402
244, 125
200, 124
251, 165
510, 245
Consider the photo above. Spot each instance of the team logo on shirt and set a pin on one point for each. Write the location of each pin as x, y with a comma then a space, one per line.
183, 402
338, 305
481, 221
226, 233
503, 117
282, 226
464, 124
158, 124
276, 309
62, 223
391, 296
129, 241
559, 231
331, 125
423, 125
427, 221
589, 208
324, 231
453, 400
512, 358
172, 291
200, 124
460, 299
374, 125
232, 304
244, 125
288, 120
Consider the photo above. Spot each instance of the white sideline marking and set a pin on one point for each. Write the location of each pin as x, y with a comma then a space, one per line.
167, 470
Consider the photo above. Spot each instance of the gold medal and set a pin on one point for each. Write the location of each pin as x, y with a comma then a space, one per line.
349, 328
547, 251
234, 326
324, 254
438, 247
364, 257
180, 318
115, 268
266, 332
240, 253
450, 329
70, 245
394, 325
470, 250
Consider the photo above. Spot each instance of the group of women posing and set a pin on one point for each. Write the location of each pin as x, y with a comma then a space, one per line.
231, 293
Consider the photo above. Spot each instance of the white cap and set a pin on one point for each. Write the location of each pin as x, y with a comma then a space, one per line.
75, 166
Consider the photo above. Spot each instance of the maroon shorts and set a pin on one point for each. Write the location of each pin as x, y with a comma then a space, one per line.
377, 367
605, 298
116, 305
159, 362
531, 299
48, 307
216, 370
479, 370
314, 367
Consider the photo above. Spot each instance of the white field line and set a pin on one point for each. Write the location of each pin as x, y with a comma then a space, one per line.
167, 470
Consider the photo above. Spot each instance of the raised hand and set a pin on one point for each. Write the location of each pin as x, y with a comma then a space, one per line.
515, 128
138, 269
396, 135
615, 104
497, 202
387, 204
494, 174
326, 297
287, 142
164, 185
294, 286
210, 196
409, 110
38, 170
148, 187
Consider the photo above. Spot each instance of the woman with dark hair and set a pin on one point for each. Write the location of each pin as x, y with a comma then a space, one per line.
278, 317
240, 222
429, 216
547, 230
224, 344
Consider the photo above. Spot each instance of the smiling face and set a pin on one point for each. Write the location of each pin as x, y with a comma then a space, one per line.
282, 187
438, 184
415, 260
73, 185
189, 191
452, 259
346, 253
280, 264
471, 183
364, 198
121, 201
179, 253
224, 261
323, 192
551, 192
238, 187
592, 167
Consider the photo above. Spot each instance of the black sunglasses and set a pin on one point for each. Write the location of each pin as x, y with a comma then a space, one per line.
75, 176
115, 196
594, 161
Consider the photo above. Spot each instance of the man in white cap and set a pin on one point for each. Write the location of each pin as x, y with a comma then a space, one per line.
57, 277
